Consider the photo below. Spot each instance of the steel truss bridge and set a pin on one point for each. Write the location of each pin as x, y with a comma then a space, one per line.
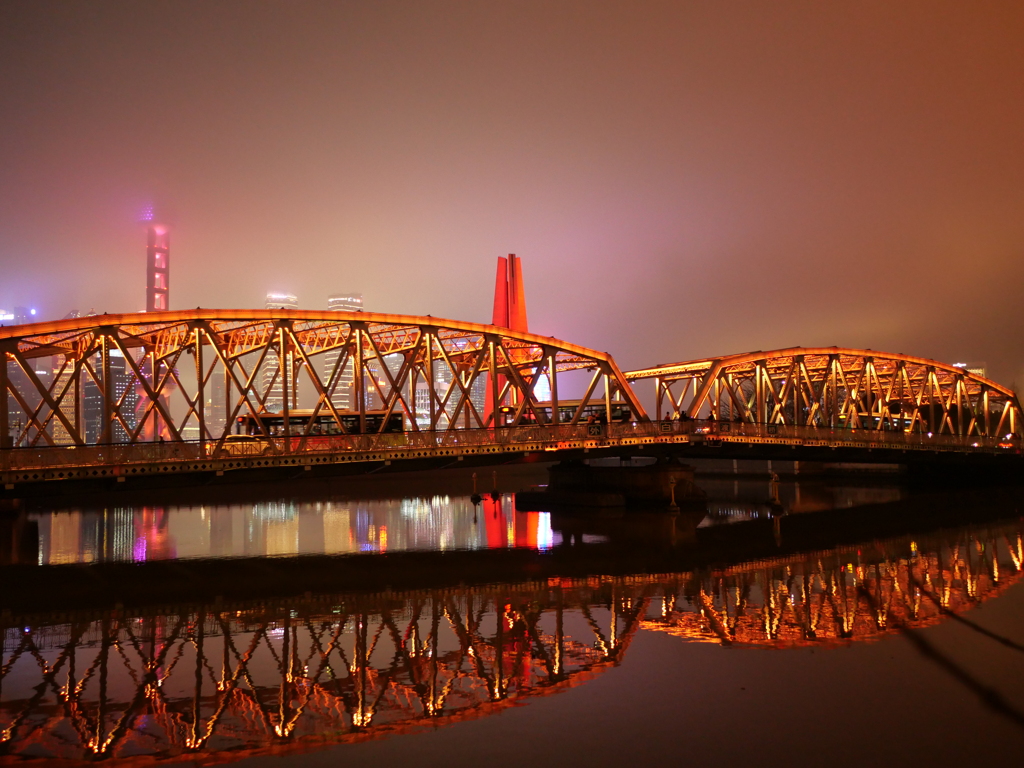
145, 394
225, 681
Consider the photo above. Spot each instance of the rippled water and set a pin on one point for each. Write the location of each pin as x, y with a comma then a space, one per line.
835, 624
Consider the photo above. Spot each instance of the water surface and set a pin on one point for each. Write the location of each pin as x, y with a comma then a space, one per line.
852, 625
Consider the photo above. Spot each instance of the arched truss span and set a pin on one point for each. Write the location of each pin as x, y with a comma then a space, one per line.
174, 376
835, 387
303, 675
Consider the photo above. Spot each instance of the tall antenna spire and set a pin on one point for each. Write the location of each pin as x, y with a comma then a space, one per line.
158, 267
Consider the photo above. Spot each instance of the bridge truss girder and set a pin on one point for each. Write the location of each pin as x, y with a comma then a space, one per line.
823, 600
303, 675
252, 358
833, 387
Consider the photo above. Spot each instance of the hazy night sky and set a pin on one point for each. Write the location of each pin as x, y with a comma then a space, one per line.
681, 179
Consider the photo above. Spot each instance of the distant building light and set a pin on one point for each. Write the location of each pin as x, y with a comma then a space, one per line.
959, 365
31, 311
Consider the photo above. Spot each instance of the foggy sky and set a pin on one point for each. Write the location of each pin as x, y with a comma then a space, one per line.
680, 179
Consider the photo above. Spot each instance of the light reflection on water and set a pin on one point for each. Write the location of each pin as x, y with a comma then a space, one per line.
428, 522
285, 527
217, 682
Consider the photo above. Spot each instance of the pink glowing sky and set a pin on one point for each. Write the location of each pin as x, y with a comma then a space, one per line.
681, 179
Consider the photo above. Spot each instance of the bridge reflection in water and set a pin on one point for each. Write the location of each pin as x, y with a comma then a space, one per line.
230, 680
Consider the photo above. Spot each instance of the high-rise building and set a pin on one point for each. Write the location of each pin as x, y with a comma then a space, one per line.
341, 395
63, 373
20, 316
216, 405
124, 393
158, 268
16, 417
976, 369
271, 365
443, 378
24, 315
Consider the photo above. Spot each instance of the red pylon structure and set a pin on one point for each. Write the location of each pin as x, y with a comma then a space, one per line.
509, 299
509, 309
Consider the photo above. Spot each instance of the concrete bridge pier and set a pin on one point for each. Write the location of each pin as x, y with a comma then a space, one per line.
642, 531
664, 484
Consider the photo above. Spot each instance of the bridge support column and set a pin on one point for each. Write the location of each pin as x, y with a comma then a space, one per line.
107, 392
652, 485
360, 379
5, 427
284, 366
200, 389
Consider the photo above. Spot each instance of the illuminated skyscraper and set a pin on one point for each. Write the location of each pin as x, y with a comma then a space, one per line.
122, 390
341, 397
158, 268
24, 315
271, 366
64, 373
16, 417
20, 316
977, 369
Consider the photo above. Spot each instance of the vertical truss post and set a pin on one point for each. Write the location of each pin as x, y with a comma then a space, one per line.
107, 392
227, 395
414, 375
200, 389
432, 414
658, 397
149, 428
608, 398
559, 633
553, 377
831, 396
283, 366
987, 423
929, 384
197, 695
409, 363
495, 395
360, 381
958, 390
76, 374
759, 405
900, 374
5, 427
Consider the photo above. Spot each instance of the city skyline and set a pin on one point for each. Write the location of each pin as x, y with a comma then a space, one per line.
776, 175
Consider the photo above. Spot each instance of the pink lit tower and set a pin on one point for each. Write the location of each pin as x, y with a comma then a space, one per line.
158, 264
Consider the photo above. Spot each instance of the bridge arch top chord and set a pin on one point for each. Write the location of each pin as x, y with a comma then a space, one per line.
836, 387
156, 376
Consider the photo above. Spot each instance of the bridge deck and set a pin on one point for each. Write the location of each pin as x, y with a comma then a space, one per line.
55, 464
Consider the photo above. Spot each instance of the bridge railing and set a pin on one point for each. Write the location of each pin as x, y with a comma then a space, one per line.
728, 431
543, 437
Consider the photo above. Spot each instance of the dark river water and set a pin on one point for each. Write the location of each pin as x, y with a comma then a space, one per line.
396, 622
